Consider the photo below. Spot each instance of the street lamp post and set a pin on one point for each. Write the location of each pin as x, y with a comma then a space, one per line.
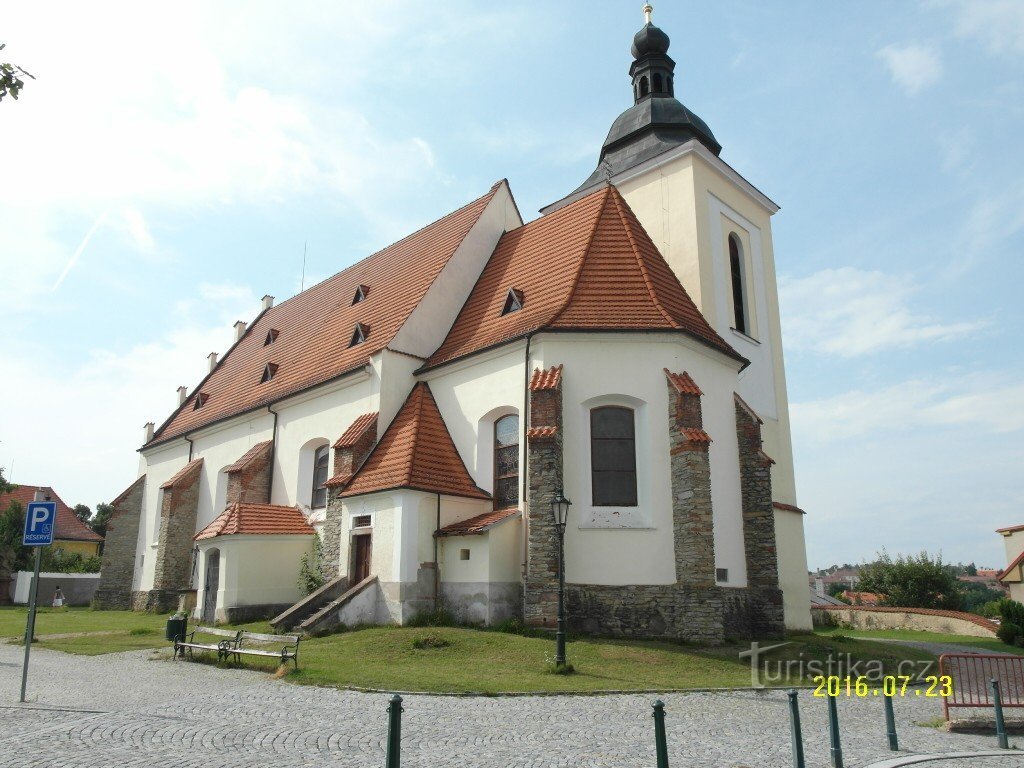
560, 510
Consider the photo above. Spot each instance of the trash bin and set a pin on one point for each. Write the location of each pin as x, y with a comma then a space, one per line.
176, 627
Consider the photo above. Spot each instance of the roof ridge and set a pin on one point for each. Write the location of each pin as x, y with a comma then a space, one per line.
583, 257
617, 199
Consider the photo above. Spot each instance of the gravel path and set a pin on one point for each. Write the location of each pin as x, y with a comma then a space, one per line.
126, 710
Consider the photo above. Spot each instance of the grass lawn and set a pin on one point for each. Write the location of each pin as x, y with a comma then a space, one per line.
458, 659
455, 659
90, 632
989, 644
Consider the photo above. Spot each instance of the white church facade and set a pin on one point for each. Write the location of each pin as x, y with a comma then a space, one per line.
419, 411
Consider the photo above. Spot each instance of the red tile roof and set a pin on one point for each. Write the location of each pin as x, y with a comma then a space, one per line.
258, 519
549, 379
535, 432
683, 383
587, 266
251, 455
475, 526
743, 404
315, 326
351, 435
416, 452
696, 435
1018, 561
185, 473
69, 527
1010, 529
787, 507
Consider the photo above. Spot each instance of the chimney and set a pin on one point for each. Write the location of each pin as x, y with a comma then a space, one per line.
268, 302
819, 587
148, 430
212, 357
240, 327
39, 495
182, 394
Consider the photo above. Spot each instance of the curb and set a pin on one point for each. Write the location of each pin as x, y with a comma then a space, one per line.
897, 762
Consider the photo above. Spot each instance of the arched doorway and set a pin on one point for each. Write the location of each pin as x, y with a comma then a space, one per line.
211, 586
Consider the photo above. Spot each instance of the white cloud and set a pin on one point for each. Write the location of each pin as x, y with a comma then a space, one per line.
77, 427
851, 312
999, 24
987, 402
913, 66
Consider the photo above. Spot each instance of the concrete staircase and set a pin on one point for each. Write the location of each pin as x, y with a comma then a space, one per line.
311, 604
355, 606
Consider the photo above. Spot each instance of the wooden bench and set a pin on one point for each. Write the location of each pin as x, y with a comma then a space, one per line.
222, 647
288, 646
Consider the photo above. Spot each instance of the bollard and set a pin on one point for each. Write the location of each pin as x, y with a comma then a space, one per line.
395, 710
835, 748
890, 724
660, 745
794, 724
1000, 723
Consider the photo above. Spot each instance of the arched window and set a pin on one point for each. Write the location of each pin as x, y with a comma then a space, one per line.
319, 498
671, 85
506, 462
657, 82
739, 303
644, 87
613, 456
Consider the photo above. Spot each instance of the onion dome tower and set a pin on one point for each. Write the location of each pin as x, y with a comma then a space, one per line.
657, 121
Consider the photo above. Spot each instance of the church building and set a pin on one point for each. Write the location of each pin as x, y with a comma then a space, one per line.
412, 418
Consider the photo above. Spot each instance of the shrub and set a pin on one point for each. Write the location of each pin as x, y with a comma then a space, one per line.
311, 577
439, 617
1011, 612
1009, 632
429, 641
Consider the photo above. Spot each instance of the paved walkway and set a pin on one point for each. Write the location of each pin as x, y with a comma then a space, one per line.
137, 712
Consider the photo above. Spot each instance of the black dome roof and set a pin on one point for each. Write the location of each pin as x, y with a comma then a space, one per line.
650, 39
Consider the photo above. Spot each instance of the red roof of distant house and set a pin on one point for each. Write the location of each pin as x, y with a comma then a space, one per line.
588, 266
256, 519
69, 527
315, 326
417, 452
862, 598
479, 524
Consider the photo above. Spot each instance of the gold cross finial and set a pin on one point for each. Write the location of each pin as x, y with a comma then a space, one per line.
648, 9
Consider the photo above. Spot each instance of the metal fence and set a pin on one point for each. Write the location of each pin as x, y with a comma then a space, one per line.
972, 675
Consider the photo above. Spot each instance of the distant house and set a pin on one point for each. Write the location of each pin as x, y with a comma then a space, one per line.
72, 535
862, 598
1013, 575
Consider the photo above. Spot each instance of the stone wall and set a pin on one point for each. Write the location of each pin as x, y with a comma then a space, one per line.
173, 569
118, 570
544, 459
349, 454
249, 478
921, 619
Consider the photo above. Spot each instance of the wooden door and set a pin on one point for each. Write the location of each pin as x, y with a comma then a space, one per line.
361, 567
211, 586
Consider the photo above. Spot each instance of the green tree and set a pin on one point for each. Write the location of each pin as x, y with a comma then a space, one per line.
12, 520
101, 518
10, 78
82, 512
912, 581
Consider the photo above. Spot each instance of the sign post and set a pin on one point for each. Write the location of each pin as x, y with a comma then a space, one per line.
40, 521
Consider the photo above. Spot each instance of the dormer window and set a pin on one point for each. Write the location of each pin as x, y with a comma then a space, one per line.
271, 337
513, 301
200, 401
362, 292
359, 334
268, 373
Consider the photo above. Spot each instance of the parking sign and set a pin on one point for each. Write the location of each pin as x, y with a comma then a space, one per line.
40, 520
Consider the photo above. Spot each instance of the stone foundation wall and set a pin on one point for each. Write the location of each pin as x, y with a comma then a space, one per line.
173, 570
118, 570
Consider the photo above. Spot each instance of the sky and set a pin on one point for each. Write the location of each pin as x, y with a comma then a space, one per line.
168, 168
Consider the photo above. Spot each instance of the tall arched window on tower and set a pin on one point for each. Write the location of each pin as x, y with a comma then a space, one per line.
644, 87
506, 462
319, 498
739, 292
613, 456
657, 82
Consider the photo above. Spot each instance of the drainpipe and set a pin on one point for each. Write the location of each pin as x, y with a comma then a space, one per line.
437, 565
189, 441
273, 455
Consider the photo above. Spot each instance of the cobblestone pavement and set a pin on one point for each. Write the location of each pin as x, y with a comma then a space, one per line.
127, 710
